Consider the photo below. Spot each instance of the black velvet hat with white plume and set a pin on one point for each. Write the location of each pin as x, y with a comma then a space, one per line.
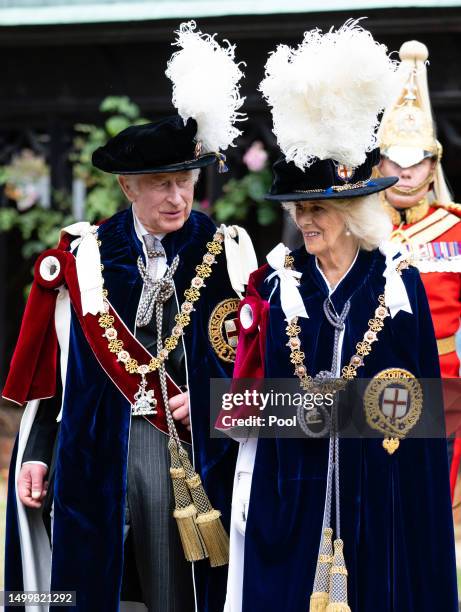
205, 79
326, 96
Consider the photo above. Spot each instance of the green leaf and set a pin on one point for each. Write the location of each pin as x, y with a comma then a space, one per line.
31, 248
223, 211
8, 219
116, 124
256, 189
266, 215
120, 104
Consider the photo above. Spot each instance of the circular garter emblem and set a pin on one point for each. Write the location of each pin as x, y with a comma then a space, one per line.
49, 268
393, 403
222, 329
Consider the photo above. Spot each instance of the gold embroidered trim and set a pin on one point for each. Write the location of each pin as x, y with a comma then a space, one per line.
451, 206
402, 411
412, 214
336, 188
428, 229
217, 329
446, 345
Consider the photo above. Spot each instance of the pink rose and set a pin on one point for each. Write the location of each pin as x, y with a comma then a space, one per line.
256, 157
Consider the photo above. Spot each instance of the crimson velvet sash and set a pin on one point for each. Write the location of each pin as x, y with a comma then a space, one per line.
249, 361
33, 367
250, 355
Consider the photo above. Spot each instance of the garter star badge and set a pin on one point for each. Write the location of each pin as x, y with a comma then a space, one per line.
393, 403
222, 329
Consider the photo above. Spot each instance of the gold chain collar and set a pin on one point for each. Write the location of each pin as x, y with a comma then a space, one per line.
192, 294
362, 348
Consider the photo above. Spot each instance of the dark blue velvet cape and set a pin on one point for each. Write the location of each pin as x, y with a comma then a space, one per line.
396, 519
90, 481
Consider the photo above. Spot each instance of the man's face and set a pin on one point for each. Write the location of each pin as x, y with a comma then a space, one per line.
409, 179
162, 202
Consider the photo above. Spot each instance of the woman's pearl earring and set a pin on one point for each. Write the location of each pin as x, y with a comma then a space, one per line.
348, 233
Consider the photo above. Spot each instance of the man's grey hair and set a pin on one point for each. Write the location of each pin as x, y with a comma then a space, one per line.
364, 217
196, 174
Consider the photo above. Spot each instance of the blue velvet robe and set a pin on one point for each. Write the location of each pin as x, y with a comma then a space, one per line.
396, 519
91, 466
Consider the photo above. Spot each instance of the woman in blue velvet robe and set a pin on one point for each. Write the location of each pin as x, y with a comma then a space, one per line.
396, 520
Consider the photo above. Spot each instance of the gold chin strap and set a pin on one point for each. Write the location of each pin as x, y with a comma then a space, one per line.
413, 190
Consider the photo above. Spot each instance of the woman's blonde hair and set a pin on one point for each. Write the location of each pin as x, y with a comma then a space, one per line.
364, 217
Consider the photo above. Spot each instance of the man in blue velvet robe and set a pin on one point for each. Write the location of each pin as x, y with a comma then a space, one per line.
107, 478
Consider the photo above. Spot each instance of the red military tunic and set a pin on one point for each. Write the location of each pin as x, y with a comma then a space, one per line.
434, 243
440, 266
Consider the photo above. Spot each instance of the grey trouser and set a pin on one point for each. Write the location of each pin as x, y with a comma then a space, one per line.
164, 573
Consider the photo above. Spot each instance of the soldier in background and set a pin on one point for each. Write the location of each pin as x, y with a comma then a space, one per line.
426, 221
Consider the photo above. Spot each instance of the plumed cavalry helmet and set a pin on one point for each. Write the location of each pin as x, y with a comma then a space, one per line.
407, 134
325, 98
206, 95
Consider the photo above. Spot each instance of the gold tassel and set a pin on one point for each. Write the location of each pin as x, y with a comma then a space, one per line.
185, 510
208, 519
190, 537
215, 537
320, 596
318, 602
338, 581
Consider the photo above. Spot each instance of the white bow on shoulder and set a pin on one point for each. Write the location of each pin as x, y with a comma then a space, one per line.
395, 292
88, 261
240, 256
290, 298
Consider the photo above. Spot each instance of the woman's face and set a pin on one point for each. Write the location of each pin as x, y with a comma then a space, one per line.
322, 227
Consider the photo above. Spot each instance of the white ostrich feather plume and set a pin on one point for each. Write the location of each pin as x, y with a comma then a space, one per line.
327, 93
205, 86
